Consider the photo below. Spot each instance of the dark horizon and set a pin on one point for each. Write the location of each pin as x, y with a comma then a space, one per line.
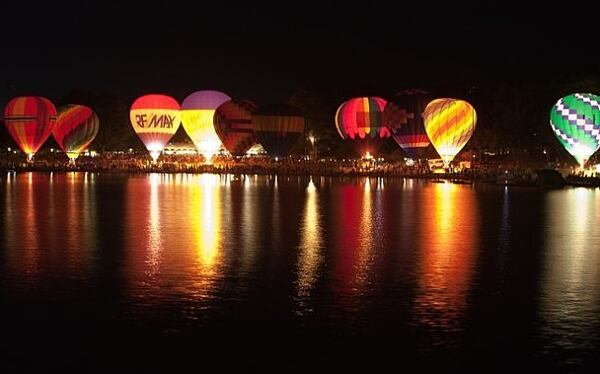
268, 54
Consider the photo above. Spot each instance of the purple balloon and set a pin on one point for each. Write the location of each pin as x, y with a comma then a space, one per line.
205, 99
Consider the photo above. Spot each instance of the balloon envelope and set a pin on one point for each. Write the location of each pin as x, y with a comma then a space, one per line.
75, 129
30, 120
575, 120
449, 124
361, 119
404, 117
277, 128
155, 119
197, 115
233, 124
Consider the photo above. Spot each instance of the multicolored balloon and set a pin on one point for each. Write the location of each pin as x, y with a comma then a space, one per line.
30, 120
75, 129
155, 119
361, 119
233, 124
277, 128
404, 117
575, 120
197, 115
449, 124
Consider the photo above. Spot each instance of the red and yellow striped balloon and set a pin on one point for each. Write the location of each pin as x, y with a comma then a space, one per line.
75, 129
30, 120
449, 124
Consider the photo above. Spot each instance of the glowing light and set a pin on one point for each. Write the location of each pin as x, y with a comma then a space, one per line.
198, 125
154, 155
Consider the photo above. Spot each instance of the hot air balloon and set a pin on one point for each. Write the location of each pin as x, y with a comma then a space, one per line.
197, 114
75, 129
449, 124
575, 120
404, 117
155, 119
30, 120
233, 124
277, 128
361, 119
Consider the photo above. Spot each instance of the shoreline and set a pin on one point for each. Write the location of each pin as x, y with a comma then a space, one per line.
457, 178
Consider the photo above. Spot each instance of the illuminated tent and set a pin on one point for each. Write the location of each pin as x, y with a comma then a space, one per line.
449, 124
575, 120
155, 118
30, 120
361, 119
277, 128
75, 129
197, 114
233, 124
404, 116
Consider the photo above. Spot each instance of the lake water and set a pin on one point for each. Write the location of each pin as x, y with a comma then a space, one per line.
164, 271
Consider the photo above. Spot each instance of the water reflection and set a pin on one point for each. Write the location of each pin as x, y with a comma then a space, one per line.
205, 218
23, 234
392, 255
174, 237
154, 226
311, 245
354, 240
570, 296
144, 228
251, 224
448, 247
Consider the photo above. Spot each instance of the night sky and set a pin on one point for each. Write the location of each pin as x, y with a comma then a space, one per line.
266, 54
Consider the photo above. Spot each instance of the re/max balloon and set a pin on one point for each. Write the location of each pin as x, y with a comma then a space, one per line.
155, 119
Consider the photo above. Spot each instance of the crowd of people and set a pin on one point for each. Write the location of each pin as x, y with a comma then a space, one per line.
131, 161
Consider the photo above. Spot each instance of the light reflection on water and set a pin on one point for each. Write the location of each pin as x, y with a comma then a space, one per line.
310, 248
570, 307
394, 255
447, 255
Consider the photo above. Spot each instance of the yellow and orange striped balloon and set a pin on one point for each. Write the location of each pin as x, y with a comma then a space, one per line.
449, 124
